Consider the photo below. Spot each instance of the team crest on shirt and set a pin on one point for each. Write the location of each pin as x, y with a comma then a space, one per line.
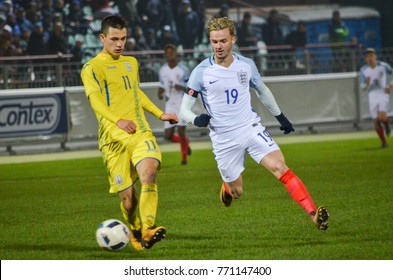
119, 180
128, 66
242, 78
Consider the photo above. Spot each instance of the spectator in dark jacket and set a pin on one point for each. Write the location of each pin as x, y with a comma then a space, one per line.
245, 35
57, 43
297, 39
273, 37
36, 44
187, 23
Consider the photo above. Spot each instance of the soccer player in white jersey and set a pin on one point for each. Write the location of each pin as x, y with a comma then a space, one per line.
223, 82
374, 77
173, 82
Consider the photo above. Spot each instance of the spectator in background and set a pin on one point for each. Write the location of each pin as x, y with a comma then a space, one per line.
7, 7
22, 21
186, 23
338, 35
47, 24
47, 5
78, 56
129, 10
33, 12
273, 37
139, 36
151, 39
223, 12
74, 17
245, 35
57, 43
297, 39
11, 21
7, 47
24, 39
130, 45
36, 44
167, 37
200, 8
58, 7
151, 13
102, 8
271, 30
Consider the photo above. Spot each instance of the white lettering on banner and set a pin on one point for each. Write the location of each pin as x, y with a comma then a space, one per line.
28, 115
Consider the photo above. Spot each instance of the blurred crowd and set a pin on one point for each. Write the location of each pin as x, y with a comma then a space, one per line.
40, 27
72, 26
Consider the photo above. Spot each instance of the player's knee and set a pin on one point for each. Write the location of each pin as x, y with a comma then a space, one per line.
148, 176
279, 167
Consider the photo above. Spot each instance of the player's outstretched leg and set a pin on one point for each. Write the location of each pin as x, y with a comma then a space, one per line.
225, 196
321, 218
153, 235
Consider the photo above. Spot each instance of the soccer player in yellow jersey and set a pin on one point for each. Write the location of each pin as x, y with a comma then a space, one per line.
128, 146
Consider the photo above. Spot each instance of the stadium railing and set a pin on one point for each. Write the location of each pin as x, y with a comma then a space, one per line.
53, 70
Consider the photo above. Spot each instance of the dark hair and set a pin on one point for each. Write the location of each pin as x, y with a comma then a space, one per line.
170, 46
114, 21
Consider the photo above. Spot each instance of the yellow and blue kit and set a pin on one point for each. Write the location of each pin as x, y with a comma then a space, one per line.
112, 87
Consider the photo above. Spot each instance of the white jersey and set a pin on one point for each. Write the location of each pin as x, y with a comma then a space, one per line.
169, 77
379, 77
378, 100
235, 128
225, 92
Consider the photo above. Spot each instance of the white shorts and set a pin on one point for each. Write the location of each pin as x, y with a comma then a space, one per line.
172, 106
378, 102
230, 149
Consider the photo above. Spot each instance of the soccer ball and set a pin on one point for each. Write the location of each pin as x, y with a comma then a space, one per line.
112, 235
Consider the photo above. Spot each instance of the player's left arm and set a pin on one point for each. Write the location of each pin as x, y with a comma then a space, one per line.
266, 97
389, 83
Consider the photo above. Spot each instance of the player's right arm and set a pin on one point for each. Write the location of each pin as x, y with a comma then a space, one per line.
364, 81
186, 112
103, 110
190, 97
161, 88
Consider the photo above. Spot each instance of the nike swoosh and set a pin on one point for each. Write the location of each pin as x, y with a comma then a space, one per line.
212, 82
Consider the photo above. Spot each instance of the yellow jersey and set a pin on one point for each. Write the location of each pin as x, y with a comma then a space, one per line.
117, 84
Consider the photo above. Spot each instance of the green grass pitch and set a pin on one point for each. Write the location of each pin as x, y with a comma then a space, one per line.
50, 210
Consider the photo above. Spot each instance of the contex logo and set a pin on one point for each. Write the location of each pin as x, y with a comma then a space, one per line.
29, 115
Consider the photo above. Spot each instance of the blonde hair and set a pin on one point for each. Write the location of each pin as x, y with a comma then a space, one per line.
221, 23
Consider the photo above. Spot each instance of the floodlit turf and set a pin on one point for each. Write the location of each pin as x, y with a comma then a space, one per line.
50, 210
